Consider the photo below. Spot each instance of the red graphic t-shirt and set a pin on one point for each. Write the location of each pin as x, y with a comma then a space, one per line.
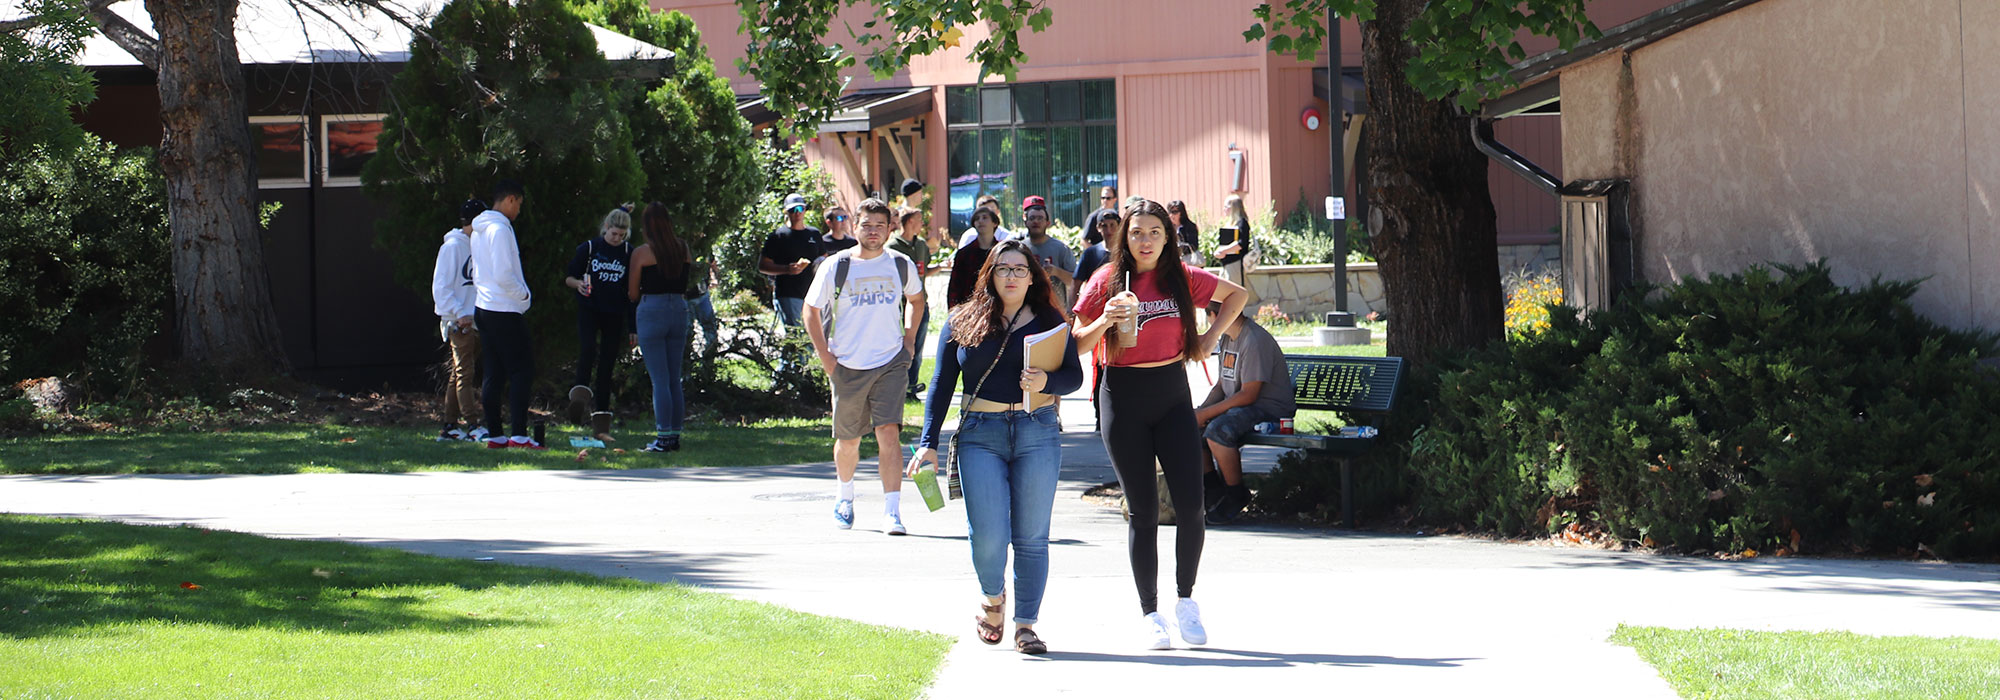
1159, 316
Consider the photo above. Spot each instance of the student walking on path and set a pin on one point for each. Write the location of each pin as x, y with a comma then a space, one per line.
1009, 458
502, 297
911, 243
451, 298
597, 274
660, 271
1148, 324
865, 338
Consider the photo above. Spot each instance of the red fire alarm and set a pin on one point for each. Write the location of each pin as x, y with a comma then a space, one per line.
1310, 118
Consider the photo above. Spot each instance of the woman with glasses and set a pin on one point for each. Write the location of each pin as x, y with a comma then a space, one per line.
1008, 458
1144, 412
597, 273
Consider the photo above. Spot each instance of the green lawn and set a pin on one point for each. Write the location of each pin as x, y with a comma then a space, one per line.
1712, 663
284, 449
103, 610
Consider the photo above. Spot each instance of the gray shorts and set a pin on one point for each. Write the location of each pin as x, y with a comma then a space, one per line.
1229, 428
865, 398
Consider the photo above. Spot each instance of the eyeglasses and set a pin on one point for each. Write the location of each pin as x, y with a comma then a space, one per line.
1010, 271
1105, 198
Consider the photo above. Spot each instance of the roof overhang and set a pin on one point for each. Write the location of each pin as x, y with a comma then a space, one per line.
1537, 75
1353, 91
1544, 97
868, 110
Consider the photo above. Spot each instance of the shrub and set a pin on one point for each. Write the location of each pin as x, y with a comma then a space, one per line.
84, 274
1771, 410
1529, 296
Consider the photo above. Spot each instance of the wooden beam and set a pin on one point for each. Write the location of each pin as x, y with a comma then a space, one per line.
896, 151
853, 168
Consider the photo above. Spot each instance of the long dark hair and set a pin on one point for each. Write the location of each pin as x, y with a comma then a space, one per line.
981, 315
1173, 277
668, 251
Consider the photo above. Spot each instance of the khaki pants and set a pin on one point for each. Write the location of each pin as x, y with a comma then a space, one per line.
461, 386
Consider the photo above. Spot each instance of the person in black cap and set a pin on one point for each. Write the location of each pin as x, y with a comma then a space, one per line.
451, 299
788, 252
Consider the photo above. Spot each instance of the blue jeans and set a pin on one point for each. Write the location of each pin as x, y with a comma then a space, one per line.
792, 311
917, 363
1008, 464
663, 337
701, 310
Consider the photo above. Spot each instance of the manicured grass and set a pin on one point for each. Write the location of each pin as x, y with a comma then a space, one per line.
1711, 663
103, 610
284, 449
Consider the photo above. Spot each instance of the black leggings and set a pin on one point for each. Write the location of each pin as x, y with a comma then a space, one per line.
599, 335
1147, 414
510, 368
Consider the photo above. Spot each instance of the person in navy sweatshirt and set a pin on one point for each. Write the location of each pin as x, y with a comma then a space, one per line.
597, 274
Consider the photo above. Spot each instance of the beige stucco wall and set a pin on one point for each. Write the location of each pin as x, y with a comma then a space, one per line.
1593, 113
1792, 130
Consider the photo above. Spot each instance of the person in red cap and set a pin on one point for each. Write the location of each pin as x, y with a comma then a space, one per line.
1054, 255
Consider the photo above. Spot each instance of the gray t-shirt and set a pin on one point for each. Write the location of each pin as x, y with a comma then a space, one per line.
1055, 255
1254, 356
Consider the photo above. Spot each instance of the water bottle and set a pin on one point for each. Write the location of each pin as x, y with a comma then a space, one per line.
1268, 428
1358, 431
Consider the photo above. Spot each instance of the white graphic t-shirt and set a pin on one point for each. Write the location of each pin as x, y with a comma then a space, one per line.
868, 317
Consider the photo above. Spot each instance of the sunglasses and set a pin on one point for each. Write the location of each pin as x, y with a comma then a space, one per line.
837, 217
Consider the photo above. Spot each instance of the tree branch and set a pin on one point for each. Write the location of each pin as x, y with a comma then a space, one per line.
126, 35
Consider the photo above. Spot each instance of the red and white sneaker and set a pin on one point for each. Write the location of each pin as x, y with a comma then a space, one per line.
496, 443
525, 442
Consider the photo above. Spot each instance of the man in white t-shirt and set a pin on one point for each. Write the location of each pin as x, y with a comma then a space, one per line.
863, 312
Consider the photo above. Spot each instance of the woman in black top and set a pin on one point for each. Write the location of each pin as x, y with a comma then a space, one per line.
659, 284
1232, 238
1008, 456
597, 273
1189, 233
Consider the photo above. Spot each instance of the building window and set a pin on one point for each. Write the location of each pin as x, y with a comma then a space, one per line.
281, 151
348, 141
1058, 140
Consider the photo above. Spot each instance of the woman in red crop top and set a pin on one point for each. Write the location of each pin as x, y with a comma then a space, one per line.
1146, 411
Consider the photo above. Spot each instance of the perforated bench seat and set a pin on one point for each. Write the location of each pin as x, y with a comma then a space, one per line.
1361, 387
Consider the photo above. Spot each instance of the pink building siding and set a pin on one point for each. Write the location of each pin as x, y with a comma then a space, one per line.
1187, 88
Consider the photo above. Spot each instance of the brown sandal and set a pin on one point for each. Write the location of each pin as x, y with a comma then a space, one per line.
989, 633
1027, 642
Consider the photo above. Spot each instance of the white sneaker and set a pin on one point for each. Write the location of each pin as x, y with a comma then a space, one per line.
1189, 616
478, 433
1157, 636
896, 524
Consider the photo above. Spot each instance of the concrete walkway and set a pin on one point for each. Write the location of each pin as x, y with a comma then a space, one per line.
1291, 612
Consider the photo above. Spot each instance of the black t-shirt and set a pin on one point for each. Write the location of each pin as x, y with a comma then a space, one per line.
787, 245
1225, 236
605, 264
835, 245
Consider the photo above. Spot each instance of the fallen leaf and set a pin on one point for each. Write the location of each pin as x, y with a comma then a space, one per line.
1795, 540
582, 455
1749, 554
1781, 552
1715, 495
1923, 480
1927, 499
1647, 541
347, 439
322, 573
618, 450
190, 586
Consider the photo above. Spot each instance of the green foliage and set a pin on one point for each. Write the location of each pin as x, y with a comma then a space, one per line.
784, 171
1762, 411
84, 273
800, 70
506, 90
697, 153
43, 86
1464, 49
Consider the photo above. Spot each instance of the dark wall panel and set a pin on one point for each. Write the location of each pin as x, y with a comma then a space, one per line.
288, 264
365, 318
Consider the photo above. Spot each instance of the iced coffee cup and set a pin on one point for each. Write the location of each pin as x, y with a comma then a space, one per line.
1128, 329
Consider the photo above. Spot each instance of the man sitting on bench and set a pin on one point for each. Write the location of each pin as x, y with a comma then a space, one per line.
1252, 386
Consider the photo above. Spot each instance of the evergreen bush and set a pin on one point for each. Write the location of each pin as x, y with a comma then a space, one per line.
85, 280
1768, 411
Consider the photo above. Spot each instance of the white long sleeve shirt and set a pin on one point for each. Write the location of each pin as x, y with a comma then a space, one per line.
496, 265
451, 277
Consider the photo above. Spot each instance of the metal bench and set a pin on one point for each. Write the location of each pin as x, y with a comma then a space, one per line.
1358, 386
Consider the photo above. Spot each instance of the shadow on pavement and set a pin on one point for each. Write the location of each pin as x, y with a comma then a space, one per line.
1233, 658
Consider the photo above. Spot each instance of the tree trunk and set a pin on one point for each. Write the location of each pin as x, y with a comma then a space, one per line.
222, 298
1429, 213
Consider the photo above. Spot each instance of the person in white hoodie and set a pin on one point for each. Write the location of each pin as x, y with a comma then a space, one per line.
451, 300
501, 297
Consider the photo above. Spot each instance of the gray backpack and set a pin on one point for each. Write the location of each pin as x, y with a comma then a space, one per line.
841, 261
